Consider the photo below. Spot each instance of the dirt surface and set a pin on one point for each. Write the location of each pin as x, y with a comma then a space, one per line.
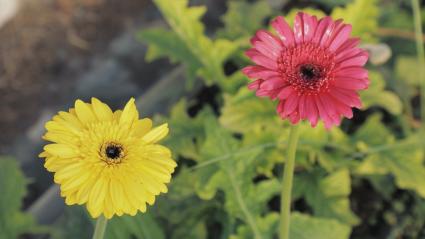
45, 47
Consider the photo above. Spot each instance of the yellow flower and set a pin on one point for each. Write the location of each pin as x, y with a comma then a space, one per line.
109, 160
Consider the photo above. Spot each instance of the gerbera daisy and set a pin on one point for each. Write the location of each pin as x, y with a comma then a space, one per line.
108, 160
314, 70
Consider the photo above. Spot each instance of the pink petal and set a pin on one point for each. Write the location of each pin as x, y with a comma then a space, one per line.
330, 109
349, 44
255, 84
358, 60
342, 108
302, 107
258, 72
299, 28
323, 113
321, 27
294, 117
311, 110
352, 72
341, 37
348, 97
285, 92
310, 25
290, 104
284, 31
329, 32
347, 54
266, 50
273, 83
350, 83
272, 42
261, 60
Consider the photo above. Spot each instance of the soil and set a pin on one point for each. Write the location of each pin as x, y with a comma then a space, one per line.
45, 47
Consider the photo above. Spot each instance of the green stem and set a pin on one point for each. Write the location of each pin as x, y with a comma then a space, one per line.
99, 231
421, 54
288, 174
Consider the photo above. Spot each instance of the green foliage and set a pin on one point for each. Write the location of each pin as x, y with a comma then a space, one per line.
225, 153
244, 111
403, 159
406, 69
365, 175
377, 95
327, 195
236, 22
201, 55
141, 226
306, 227
363, 15
13, 184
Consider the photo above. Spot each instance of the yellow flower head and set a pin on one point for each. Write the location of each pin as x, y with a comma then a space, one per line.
109, 160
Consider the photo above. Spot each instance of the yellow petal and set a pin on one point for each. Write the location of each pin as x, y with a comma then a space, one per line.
142, 127
97, 197
129, 114
101, 110
84, 112
117, 115
61, 150
156, 134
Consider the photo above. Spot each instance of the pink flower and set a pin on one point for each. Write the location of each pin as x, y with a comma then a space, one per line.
314, 70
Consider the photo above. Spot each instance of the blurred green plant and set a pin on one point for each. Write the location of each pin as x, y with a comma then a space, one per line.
350, 182
231, 157
13, 222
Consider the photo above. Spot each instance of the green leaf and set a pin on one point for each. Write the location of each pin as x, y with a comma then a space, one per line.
268, 226
13, 222
377, 95
187, 132
141, 226
363, 15
236, 22
245, 111
328, 196
188, 44
385, 155
307, 227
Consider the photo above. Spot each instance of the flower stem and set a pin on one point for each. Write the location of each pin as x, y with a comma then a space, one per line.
99, 231
421, 54
288, 174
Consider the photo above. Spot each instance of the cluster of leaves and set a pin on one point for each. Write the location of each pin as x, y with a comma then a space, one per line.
363, 180
228, 182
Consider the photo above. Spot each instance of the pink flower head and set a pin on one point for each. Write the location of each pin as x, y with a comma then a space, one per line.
314, 70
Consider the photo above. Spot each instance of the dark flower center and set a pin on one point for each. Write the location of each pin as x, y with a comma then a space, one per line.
309, 72
113, 151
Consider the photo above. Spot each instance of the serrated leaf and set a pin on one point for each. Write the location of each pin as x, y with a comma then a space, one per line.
307, 227
187, 132
13, 221
376, 95
236, 22
328, 196
188, 44
244, 111
363, 15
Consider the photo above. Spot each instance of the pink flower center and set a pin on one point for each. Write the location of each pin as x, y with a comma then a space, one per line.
307, 67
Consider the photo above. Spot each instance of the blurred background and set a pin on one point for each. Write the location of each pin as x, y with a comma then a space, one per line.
55, 51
